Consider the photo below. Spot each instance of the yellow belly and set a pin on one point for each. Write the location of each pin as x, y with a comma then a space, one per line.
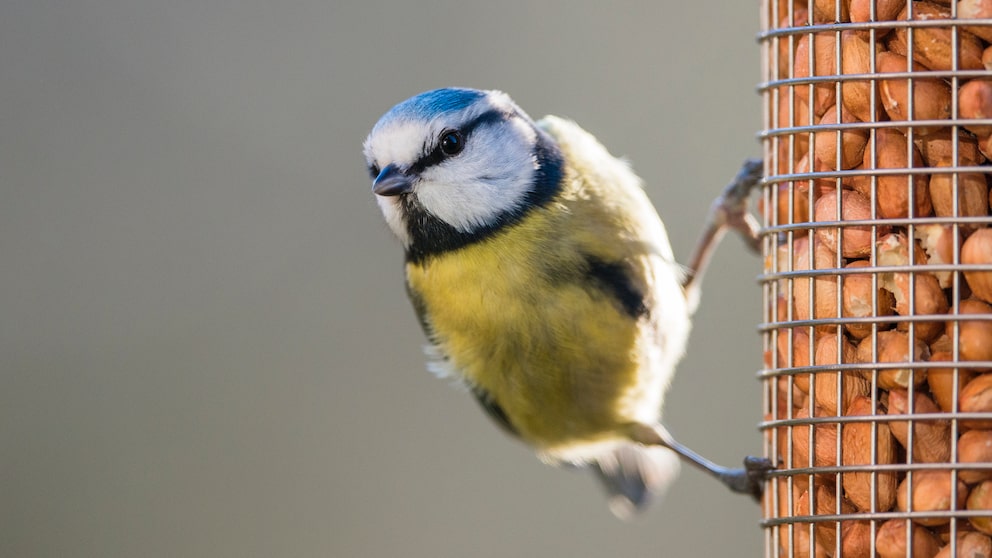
559, 357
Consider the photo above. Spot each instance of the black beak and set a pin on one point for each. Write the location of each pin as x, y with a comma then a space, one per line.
392, 182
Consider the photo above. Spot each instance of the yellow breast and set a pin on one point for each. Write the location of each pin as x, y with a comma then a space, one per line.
518, 316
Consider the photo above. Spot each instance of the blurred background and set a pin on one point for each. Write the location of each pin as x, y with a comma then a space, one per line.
205, 344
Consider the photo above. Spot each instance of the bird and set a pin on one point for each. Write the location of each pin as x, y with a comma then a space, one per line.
545, 283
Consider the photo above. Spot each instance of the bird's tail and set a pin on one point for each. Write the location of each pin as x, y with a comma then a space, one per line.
634, 475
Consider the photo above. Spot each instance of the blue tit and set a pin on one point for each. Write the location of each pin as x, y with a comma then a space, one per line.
545, 282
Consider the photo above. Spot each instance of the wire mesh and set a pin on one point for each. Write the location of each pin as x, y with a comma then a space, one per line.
877, 280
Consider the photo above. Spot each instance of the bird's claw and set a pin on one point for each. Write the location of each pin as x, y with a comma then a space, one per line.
750, 479
756, 470
750, 174
732, 205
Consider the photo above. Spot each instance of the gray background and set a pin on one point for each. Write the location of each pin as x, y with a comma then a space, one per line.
205, 347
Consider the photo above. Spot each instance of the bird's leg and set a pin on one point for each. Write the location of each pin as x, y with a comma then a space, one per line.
729, 211
745, 480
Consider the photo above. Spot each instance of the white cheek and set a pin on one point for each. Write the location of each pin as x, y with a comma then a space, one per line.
393, 214
489, 180
470, 205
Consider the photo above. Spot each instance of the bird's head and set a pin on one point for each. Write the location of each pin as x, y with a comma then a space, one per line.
451, 165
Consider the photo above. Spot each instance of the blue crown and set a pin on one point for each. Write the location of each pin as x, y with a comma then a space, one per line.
430, 104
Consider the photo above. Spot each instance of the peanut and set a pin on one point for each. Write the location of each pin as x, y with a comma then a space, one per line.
890, 541
931, 98
894, 250
827, 384
815, 297
819, 62
855, 241
977, 250
974, 336
894, 347
798, 357
826, 504
970, 545
976, 397
938, 146
975, 446
855, 539
929, 300
980, 499
856, 438
974, 102
781, 214
829, 11
858, 302
931, 438
941, 380
885, 10
824, 444
932, 46
975, 9
939, 242
931, 491
972, 193
786, 45
889, 151
850, 140
858, 96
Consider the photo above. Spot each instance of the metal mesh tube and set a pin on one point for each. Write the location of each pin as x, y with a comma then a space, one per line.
877, 283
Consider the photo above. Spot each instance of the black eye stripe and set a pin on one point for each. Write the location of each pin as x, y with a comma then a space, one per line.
435, 155
429, 160
488, 117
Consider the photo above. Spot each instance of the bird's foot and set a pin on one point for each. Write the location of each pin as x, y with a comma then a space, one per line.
731, 208
749, 479
728, 211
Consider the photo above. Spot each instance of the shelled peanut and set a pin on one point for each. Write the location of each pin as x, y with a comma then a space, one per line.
909, 332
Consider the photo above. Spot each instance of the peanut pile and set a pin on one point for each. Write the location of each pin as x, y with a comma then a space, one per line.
890, 334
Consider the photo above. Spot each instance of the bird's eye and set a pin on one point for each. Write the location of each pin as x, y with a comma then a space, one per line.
452, 142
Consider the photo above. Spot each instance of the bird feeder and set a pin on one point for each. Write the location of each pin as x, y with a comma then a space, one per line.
877, 280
